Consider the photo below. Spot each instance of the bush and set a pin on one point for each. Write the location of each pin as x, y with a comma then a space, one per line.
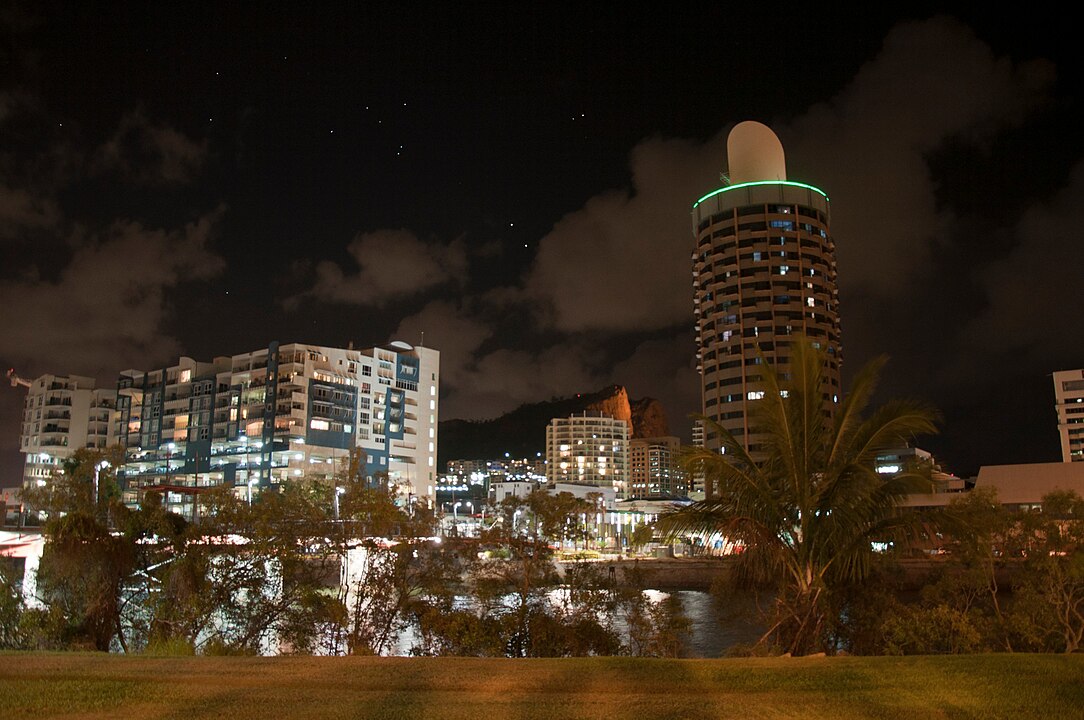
940, 630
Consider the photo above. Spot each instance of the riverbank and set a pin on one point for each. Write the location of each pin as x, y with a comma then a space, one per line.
101, 686
700, 572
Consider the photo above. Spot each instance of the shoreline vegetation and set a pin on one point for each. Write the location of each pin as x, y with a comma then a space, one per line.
93, 685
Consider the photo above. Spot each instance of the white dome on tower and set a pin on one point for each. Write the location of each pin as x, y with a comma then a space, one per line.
754, 153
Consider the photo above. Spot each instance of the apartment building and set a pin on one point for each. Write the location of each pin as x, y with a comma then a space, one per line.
588, 449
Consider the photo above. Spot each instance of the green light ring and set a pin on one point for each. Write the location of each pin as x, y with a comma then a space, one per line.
760, 182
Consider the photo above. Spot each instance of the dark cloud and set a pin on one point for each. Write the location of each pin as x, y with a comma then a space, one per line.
621, 262
448, 327
869, 147
542, 308
390, 264
22, 211
151, 154
108, 306
665, 369
505, 378
1033, 294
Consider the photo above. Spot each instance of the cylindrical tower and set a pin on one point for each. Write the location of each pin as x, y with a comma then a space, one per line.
764, 270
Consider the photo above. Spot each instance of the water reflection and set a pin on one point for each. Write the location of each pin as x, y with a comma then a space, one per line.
717, 625
714, 625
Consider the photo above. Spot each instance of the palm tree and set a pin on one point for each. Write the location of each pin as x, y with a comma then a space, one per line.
808, 505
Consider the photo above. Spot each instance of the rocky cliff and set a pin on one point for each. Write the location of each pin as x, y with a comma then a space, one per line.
649, 419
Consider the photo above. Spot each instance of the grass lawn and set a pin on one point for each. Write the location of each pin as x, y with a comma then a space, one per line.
78, 685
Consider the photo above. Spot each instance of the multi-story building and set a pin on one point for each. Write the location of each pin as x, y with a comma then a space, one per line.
653, 468
1069, 402
249, 421
588, 449
696, 478
764, 271
253, 420
500, 470
62, 414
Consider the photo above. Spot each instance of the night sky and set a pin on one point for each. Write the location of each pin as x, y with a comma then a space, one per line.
515, 183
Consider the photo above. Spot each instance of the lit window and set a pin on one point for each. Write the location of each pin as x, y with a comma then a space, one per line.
810, 302
317, 424
783, 269
755, 395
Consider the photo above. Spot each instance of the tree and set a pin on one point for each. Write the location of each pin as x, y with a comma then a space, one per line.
809, 504
12, 608
252, 576
1048, 607
85, 572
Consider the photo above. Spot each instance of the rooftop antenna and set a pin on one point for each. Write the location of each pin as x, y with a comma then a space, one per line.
422, 342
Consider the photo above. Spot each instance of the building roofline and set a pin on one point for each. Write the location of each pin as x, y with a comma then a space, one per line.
713, 193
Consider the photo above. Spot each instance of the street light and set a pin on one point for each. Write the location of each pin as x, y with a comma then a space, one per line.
338, 491
470, 512
169, 461
97, 470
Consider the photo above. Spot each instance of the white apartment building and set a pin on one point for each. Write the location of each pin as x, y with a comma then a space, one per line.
60, 415
1069, 403
588, 449
249, 421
